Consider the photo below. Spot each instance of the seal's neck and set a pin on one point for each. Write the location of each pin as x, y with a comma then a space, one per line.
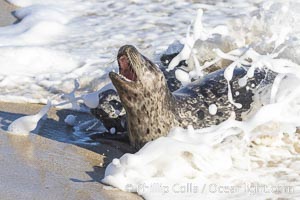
153, 116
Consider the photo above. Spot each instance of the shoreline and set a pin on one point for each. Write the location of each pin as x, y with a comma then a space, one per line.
47, 165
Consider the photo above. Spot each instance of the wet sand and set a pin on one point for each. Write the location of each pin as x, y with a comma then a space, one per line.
39, 166
50, 163
6, 16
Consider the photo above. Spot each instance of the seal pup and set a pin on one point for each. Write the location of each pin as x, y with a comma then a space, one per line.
152, 109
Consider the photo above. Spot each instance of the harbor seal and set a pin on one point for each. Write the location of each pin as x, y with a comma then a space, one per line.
110, 110
152, 109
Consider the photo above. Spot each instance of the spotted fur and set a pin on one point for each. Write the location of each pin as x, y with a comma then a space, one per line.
152, 110
110, 111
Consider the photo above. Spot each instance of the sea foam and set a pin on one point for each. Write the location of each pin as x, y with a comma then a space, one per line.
236, 159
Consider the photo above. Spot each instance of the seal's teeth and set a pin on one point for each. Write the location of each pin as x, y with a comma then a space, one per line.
124, 78
131, 69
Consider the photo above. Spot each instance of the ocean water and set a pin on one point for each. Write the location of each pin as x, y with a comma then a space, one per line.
57, 42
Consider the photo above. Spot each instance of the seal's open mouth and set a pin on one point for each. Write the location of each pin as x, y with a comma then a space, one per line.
134, 68
125, 68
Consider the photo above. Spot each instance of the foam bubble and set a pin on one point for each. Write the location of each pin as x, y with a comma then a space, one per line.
70, 120
213, 109
24, 125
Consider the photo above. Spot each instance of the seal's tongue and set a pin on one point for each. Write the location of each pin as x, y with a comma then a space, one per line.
126, 69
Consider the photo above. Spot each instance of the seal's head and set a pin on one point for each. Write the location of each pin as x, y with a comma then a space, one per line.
144, 94
136, 73
110, 111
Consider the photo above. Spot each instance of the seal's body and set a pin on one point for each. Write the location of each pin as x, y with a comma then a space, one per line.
152, 109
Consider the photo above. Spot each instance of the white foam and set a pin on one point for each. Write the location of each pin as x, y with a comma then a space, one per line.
91, 100
254, 158
59, 41
112, 130
233, 154
24, 125
70, 120
182, 76
213, 109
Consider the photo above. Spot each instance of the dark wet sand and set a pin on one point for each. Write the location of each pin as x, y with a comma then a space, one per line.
45, 166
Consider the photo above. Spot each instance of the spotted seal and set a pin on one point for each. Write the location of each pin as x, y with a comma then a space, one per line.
110, 110
152, 109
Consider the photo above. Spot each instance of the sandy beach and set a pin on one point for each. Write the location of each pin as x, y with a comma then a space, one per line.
39, 166
47, 164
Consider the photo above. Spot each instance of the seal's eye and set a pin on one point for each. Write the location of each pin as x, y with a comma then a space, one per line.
116, 104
